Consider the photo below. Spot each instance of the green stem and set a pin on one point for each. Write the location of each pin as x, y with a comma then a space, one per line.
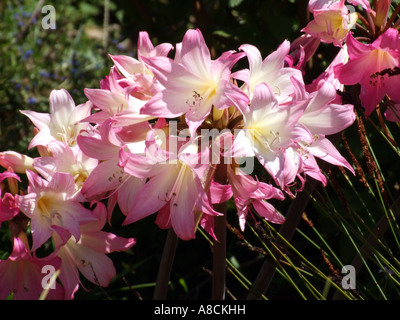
373, 240
287, 231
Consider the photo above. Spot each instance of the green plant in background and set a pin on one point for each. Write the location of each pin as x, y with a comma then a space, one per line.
36, 60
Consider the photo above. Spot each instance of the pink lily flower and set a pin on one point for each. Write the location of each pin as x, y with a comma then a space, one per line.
88, 254
63, 121
114, 103
108, 178
192, 83
21, 274
322, 116
249, 193
322, 4
271, 71
364, 4
342, 57
270, 132
137, 78
331, 24
365, 64
174, 189
51, 204
66, 159
8, 206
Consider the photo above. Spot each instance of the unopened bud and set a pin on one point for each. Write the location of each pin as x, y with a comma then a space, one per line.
382, 10
12, 183
18, 162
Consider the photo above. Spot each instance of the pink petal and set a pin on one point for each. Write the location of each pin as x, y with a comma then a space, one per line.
254, 57
276, 59
163, 219
106, 242
40, 120
154, 195
195, 53
219, 193
62, 182
90, 146
8, 207
324, 117
61, 106
325, 150
145, 46
182, 205
69, 275
267, 211
127, 193
107, 101
127, 65
105, 178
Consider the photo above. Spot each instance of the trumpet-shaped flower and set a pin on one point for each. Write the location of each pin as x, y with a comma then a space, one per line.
114, 102
137, 78
270, 130
322, 116
174, 189
192, 83
322, 4
271, 71
328, 75
249, 193
66, 159
21, 274
108, 178
331, 24
88, 254
8, 207
63, 121
50, 204
366, 65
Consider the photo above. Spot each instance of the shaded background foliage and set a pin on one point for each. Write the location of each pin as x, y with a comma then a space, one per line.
34, 61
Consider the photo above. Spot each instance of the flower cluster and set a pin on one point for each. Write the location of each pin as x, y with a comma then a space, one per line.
373, 58
177, 131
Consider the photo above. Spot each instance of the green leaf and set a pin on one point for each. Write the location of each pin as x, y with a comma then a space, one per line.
183, 283
234, 3
222, 33
88, 9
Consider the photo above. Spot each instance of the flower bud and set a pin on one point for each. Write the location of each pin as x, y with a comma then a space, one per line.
18, 162
382, 10
12, 183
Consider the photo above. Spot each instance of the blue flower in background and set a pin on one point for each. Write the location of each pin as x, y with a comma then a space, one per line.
32, 100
